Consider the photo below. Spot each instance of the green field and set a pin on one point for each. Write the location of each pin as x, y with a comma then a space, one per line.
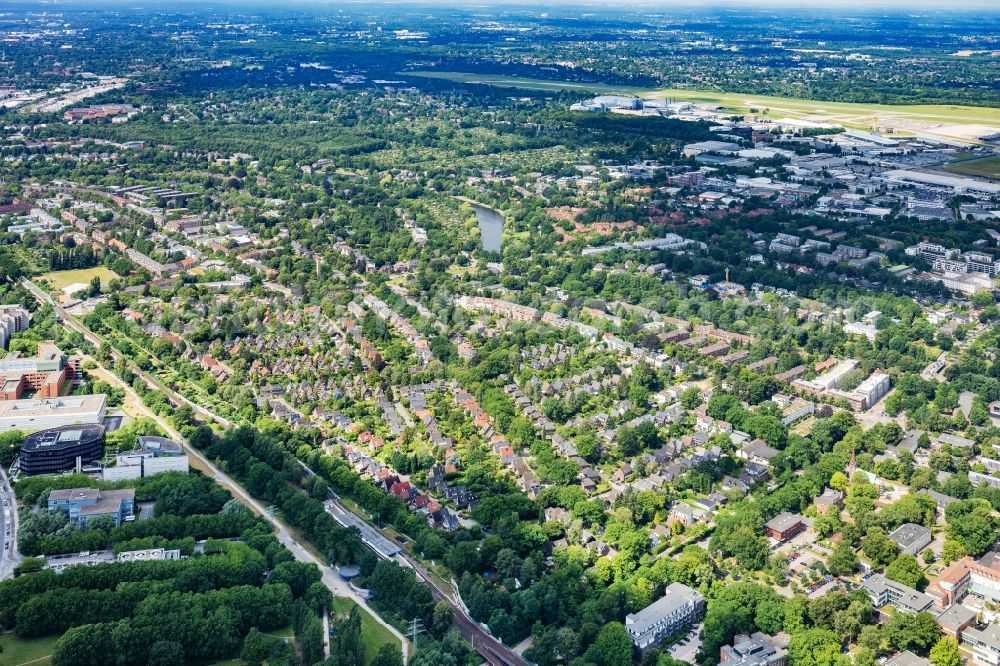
986, 167
17, 651
375, 634
63, 279
845, 113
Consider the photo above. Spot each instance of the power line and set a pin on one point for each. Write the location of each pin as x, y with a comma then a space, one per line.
416, 628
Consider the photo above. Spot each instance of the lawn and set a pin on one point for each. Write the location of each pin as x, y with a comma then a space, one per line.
63, 279
375, 635
845, 113
17, 651
986, 167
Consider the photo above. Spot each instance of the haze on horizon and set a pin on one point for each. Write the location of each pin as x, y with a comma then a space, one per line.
825, 5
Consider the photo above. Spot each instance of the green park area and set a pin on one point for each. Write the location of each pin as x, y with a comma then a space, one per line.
373, 633
34, 651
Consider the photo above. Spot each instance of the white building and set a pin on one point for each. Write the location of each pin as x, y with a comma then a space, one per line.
679, 608
40, 414
155, 455
859, 328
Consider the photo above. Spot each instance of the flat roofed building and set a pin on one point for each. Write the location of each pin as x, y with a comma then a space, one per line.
85, 504
678, 609
911, 538
981, 578
955, 620
985, 644
61, 449
153, 456
13, 319
40, 413
758, 649
883, 591
784, 526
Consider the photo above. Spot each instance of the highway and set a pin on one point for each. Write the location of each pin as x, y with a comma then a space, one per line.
331, 579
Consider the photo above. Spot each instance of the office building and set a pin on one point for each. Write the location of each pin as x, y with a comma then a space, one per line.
61, 449
784, 526
84, 504
45, 374
758, 649
966, 575
985, 644
678, 609
883, 591
37, 414
153, 456
956, 619
13, 319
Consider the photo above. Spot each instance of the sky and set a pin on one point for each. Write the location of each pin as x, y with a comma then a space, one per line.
827, 5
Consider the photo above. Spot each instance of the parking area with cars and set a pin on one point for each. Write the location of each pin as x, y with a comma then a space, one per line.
686, 649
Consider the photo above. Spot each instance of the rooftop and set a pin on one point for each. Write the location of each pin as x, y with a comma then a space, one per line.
38, 407
783, 522
908, 534
676, 596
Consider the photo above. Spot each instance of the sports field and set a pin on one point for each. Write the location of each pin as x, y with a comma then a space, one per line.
986, 167
906, 116
63, 279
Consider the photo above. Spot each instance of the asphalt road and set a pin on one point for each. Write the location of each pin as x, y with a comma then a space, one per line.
330, 578
9, 556
493, 651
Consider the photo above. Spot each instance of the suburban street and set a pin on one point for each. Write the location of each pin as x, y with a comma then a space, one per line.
493, 651
333, 582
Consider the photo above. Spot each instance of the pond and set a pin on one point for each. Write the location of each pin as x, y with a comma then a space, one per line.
490, 226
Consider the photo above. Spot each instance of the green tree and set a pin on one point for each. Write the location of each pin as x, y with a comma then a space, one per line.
843, 561
166, 653
256, 647
816, 647
912, 631
388, 655
350, 646
614, 645
878, 547
906, 570
945, 653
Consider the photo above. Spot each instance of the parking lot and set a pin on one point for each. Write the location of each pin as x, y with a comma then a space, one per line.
687, 648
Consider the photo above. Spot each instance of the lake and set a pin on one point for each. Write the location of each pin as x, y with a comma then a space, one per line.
490, 226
